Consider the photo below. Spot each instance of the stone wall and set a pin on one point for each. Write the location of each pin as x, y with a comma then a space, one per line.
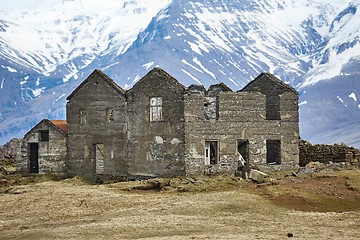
327, 153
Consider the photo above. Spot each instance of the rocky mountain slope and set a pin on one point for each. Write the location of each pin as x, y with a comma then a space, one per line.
312, 45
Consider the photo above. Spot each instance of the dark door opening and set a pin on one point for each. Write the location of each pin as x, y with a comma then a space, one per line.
34, 158
273, 151
243, 151
243, 154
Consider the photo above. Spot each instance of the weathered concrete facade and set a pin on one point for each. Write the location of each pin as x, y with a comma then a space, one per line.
97, 123
161, 128
156, 133
243, 130
43, 149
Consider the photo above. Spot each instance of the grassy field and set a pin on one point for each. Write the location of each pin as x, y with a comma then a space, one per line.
317, 206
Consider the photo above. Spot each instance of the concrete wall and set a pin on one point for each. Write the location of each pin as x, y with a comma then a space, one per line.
242, 116
51, 154
94, 99
156, 148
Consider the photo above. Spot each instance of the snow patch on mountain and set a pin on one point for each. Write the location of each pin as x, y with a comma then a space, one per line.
72, 29
304, 43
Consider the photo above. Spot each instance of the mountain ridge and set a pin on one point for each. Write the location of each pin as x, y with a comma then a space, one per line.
204, 42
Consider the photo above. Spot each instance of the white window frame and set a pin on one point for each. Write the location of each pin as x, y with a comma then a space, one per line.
83, 116
208, 153
156, 109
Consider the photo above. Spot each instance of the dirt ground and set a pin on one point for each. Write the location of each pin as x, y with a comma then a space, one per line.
317, 206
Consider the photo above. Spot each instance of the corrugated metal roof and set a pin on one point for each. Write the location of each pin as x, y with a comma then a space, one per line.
62, 124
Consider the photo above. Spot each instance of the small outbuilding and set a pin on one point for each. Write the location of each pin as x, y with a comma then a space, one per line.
43, 148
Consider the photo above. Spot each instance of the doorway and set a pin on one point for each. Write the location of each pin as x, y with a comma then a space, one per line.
243, 154
243, 151
99, 158
34, 158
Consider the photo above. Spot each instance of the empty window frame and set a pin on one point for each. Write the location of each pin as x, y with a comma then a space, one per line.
156, 109
273, 152
211, 108
83, 116
273, 107
211, 152
110, 115
44, 135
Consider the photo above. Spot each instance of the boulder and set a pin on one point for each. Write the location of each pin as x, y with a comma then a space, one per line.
257, 176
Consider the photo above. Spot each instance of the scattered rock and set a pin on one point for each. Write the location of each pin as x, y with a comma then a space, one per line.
8, 151
257, 176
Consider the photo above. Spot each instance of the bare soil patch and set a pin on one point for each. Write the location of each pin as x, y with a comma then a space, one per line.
322, 206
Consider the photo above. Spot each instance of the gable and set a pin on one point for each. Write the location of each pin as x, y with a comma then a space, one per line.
216, 89
267, 83
157, 79
94, 79
59, 127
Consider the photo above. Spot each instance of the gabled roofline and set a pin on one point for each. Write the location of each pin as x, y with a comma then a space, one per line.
47, 121
105, 77
158, 69
272, 77
196, 85
223, 85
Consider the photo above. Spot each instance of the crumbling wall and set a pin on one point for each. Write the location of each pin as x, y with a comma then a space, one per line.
327, 153
241, 116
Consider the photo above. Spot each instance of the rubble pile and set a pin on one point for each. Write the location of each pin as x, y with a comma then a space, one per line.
325, 154
8, 151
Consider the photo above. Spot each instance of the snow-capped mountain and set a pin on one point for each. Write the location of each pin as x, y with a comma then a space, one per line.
48, 47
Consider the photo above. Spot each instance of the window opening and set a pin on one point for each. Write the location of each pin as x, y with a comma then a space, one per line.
44, 135
211, 152
273, 107
156, 109
211, 108
83, 116
110, 115
273, 151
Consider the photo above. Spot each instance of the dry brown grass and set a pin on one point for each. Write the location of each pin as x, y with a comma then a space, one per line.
202, 208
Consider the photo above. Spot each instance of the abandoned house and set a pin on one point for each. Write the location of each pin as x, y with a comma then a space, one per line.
161, 128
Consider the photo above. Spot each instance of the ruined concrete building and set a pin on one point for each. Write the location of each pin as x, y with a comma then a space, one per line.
161, 128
